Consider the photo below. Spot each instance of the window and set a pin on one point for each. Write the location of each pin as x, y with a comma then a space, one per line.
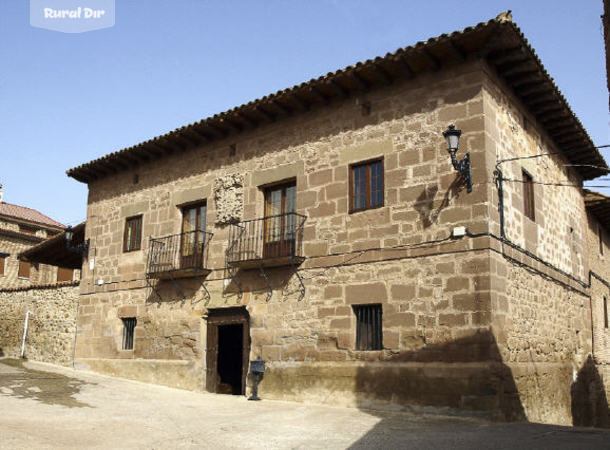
368, 327
133, 234
366, 185
605, 312
27, 230
64, 274
129, 325
601, 240
280, 223
24, 269
528, 196
193, 235
3, 257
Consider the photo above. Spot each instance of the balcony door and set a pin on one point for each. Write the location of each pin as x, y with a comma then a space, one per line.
280, 224
193, 236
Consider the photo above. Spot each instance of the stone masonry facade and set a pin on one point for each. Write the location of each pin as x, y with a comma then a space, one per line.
51, 325
498, 327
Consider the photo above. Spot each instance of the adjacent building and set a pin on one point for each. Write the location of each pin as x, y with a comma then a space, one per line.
325, 229
20, 229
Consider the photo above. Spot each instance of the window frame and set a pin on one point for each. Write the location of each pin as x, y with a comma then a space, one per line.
368, 186
605, 305
132, 245
129, 327
529, 196
600, 232
374, 341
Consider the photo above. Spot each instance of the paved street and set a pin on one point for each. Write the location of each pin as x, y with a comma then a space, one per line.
48, 407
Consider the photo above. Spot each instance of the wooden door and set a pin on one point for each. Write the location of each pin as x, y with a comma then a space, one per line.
193, 236
280, 227
217, 318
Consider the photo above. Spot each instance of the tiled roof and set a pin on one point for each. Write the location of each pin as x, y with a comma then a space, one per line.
29, 214
499, 41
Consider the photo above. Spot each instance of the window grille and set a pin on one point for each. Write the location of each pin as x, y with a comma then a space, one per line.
129, 325
368, 327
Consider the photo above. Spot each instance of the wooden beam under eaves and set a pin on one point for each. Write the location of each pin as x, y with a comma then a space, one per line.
302, 104
402, 62
457, 54
382, 75
281, 108
362, 85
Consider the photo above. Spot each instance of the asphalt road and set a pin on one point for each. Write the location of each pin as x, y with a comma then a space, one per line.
43, 406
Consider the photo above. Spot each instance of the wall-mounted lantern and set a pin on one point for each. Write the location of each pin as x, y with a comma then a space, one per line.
82, 248
452, 136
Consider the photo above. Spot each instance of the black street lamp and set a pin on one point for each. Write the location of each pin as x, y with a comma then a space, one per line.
452, 136
82, 248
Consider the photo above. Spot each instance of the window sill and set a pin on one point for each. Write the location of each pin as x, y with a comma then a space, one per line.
371, 208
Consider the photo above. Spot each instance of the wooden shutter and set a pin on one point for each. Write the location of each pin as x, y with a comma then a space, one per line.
64, 274
24, 269
2, 262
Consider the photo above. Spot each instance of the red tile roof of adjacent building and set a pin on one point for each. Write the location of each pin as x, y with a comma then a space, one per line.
29, 214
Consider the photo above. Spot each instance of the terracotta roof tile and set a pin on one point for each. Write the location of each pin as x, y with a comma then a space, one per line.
29, 214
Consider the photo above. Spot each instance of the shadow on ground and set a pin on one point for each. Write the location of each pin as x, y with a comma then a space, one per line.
46, 387
477, 384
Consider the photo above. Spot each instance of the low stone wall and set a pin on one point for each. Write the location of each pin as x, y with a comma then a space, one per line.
52, 322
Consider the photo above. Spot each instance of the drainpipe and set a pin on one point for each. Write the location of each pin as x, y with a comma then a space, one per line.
25, 333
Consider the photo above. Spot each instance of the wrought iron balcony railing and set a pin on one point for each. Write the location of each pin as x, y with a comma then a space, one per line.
268, 241
178, 255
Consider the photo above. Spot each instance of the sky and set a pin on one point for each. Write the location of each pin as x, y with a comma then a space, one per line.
66, 99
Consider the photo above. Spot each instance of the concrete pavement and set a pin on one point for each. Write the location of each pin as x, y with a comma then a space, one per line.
44, 406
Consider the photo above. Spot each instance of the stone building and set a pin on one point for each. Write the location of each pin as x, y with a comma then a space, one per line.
20, 229
324, 229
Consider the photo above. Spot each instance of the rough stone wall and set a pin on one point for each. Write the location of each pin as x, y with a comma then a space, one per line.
457, 313
52, 322
400, 255
600, 265
511, 131
541, 311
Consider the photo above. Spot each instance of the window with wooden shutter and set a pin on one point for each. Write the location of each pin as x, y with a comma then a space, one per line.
133, 234
64, 274
366, 185
2, 264
369, 334
24, 269
528, 196
605, 312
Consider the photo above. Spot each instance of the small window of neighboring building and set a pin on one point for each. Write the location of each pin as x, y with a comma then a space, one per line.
133, 234
605, 312
366, 185
368, 327
2, 263
24, 269
528, 196
601, 240
26, 229
64, 274
129, 325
